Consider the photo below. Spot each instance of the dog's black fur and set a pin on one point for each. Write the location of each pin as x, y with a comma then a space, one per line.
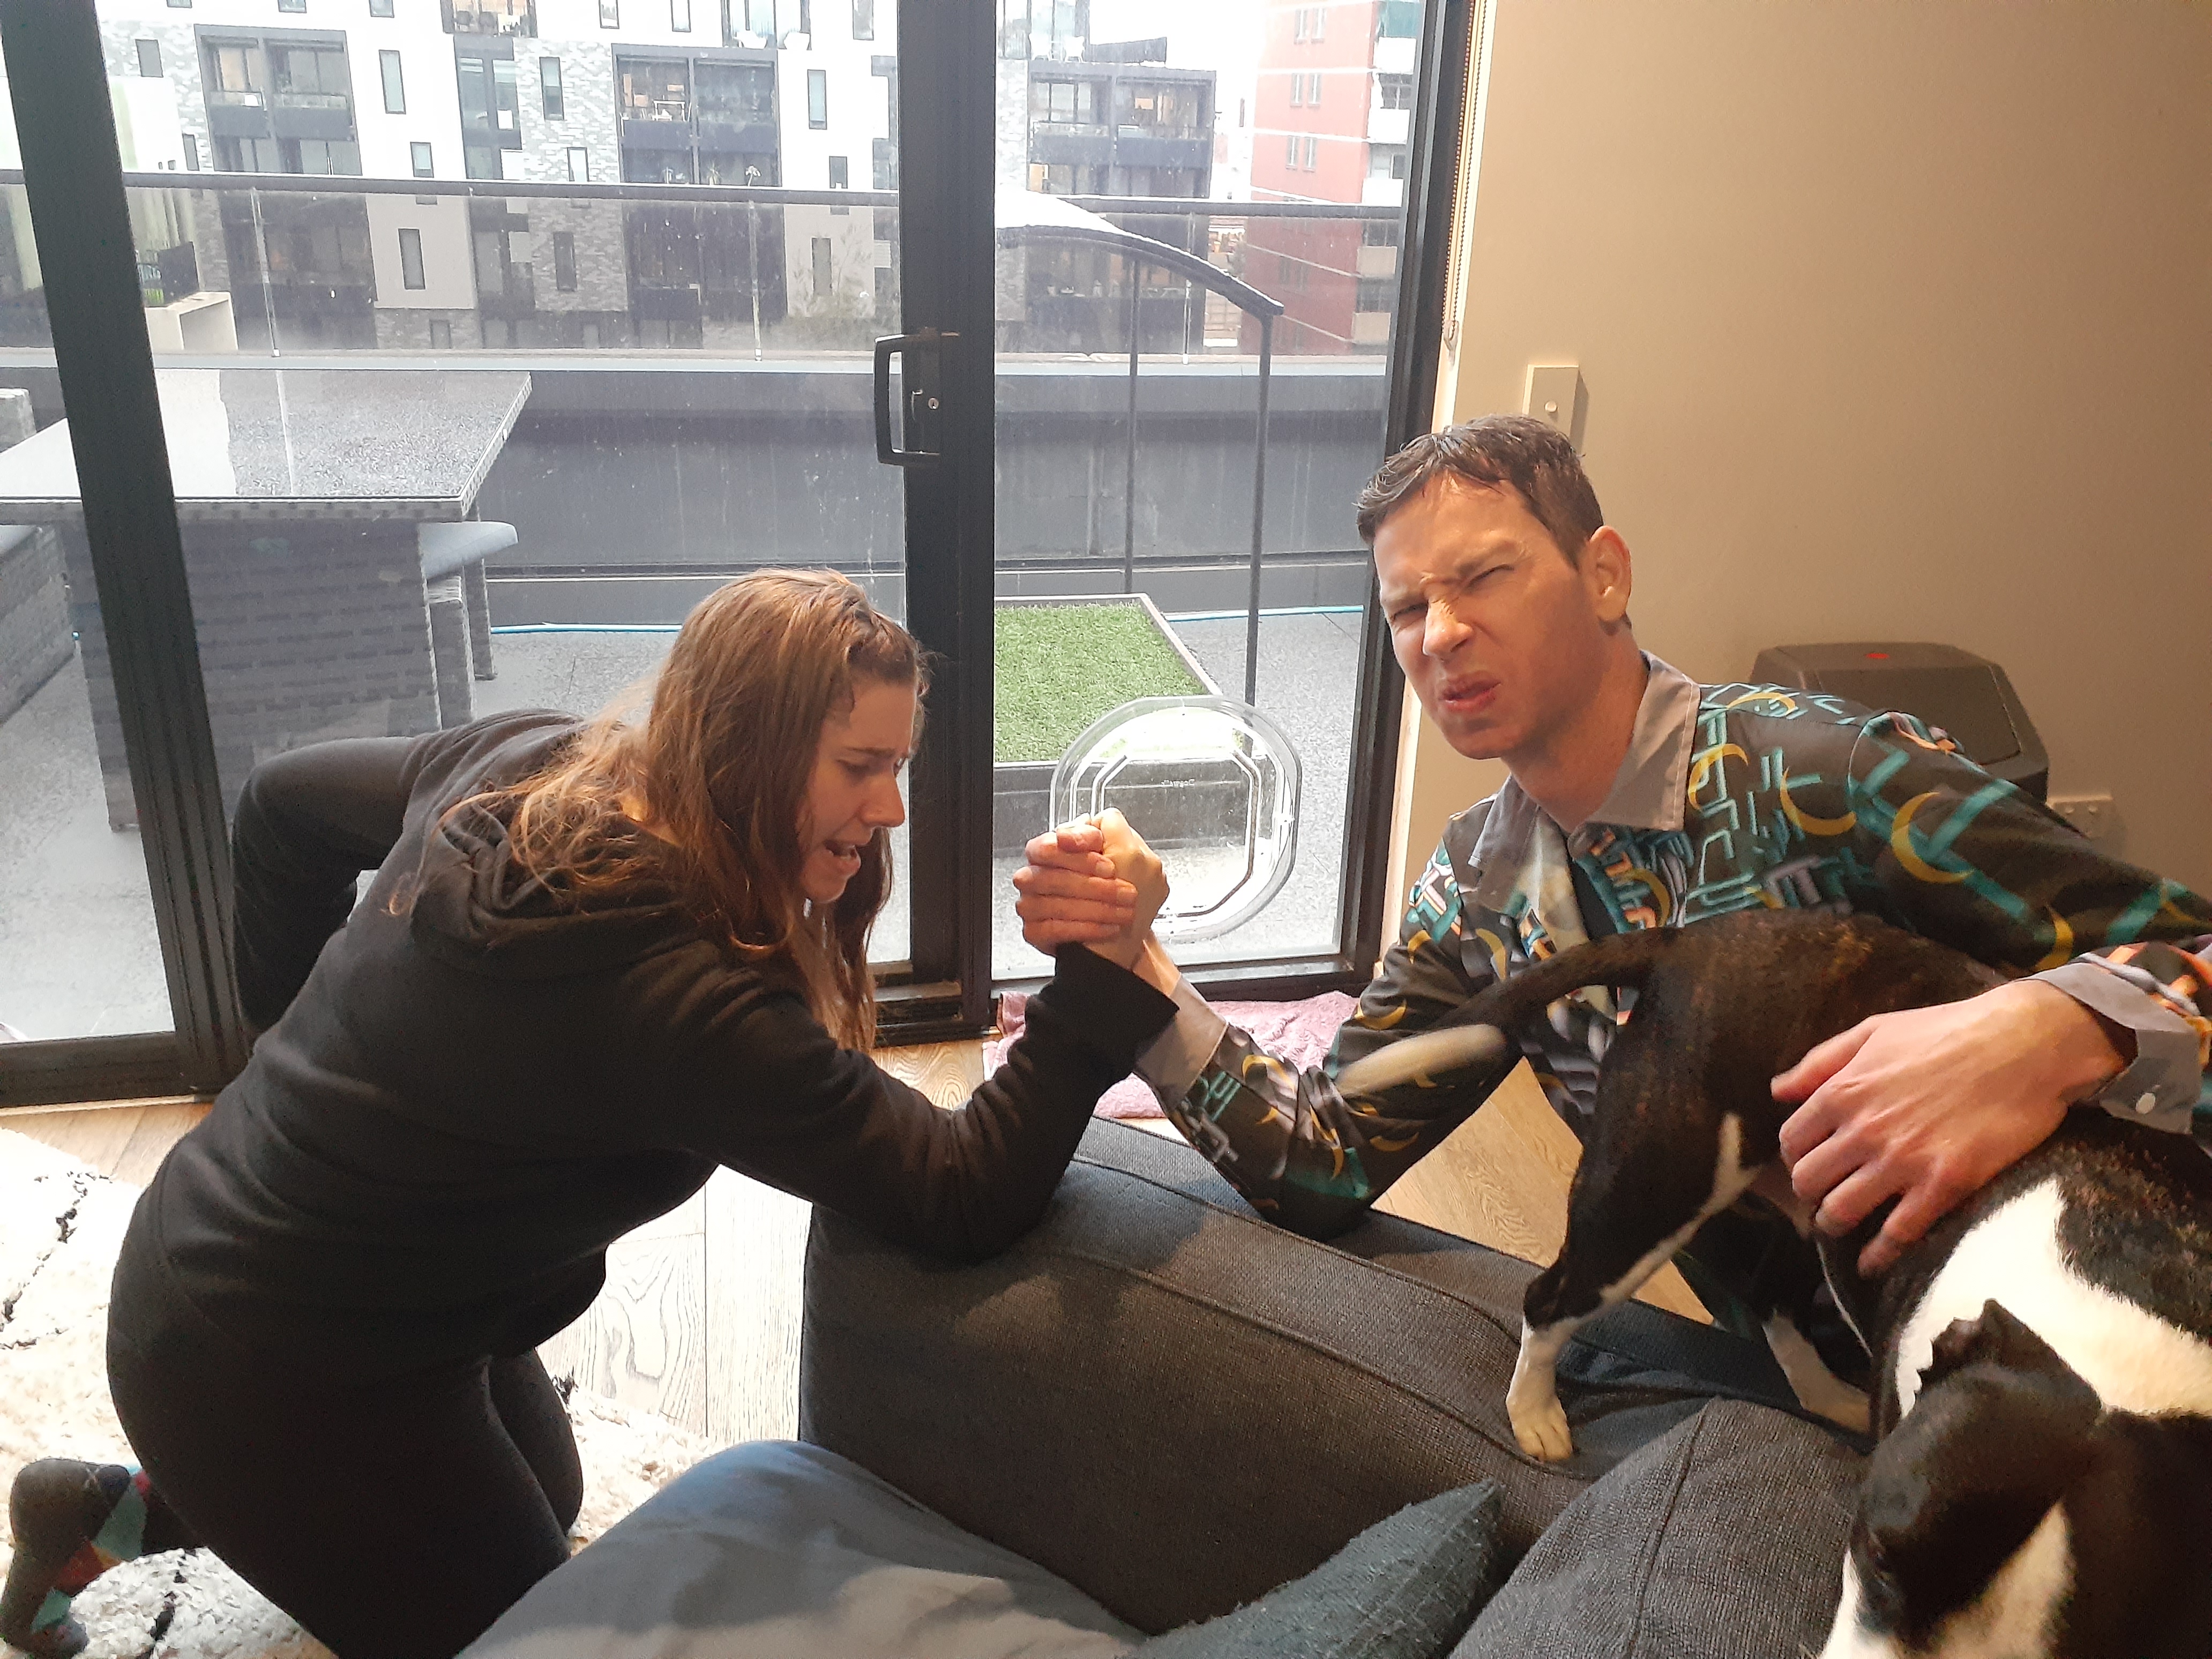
2002, 1428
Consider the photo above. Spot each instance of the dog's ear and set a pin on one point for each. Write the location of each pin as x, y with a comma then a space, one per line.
1996, 1337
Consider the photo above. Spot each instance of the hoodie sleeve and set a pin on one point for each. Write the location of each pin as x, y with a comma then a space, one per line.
752, 1080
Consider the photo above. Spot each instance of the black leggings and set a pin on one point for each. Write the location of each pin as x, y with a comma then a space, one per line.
394, 1520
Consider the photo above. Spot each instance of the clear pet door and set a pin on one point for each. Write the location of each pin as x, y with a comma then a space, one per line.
1211, 783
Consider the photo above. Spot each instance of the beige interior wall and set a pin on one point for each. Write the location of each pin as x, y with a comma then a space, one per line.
1896, 319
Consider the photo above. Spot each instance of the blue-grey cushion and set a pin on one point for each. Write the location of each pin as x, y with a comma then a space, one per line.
1724, 1539
780, 1550
1405, 1589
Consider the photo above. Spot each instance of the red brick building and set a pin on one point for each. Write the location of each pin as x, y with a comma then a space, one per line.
1331, 126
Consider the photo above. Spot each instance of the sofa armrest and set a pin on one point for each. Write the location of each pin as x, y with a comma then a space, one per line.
1177, 1406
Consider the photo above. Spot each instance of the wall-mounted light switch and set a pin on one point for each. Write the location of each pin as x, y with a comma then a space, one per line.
1556, 395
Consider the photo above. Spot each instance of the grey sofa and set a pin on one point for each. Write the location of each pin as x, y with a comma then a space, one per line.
1174, 1406
1156, 1406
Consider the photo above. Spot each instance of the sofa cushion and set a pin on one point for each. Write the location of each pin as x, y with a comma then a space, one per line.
777, 1551
1405, 1589
1177, 1406
1724, 1540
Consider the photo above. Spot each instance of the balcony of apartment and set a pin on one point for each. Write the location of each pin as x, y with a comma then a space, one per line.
1390, 126
722, 424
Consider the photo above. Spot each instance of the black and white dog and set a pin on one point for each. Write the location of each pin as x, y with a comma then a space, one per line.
2043, 1358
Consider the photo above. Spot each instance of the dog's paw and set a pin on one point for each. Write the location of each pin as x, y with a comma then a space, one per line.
1540, 1426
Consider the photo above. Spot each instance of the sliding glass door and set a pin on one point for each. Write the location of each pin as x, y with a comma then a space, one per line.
479, 344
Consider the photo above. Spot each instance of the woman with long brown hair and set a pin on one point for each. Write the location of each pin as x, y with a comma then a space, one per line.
596, 961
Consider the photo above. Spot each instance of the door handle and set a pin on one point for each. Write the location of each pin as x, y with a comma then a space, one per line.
919, 351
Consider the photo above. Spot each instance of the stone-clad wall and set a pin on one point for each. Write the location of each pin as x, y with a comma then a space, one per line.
34, 624
319, 632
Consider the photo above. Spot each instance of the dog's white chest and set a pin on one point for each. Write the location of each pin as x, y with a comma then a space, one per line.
2135, 1360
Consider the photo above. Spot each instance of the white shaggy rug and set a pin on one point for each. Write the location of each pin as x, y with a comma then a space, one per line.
61, 1223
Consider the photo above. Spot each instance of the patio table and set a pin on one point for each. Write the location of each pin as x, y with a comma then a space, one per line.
300, 493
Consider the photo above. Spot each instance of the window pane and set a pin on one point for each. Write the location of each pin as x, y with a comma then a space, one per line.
150, 59
817, 98
79, 955
683, 368
395, 90
1126, 547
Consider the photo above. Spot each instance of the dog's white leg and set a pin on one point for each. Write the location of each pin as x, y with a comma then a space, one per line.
1817, 1387
1532, 1399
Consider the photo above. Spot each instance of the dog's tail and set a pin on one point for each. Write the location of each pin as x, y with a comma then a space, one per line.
1474, 1033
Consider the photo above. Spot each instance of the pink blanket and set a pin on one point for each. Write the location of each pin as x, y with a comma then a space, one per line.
1299, 1032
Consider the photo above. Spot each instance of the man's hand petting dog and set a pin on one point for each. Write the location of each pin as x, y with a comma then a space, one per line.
1096, 883
1926, 1104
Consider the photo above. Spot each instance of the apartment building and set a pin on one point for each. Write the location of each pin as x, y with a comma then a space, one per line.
599, 92
1333, 125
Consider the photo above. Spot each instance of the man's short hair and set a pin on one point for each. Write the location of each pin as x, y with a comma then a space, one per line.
1532, 456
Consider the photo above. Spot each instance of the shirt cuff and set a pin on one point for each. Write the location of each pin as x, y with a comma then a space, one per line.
2159, 1086
1172, 1060
1109, 1007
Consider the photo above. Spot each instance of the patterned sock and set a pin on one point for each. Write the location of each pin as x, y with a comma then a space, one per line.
72, 1520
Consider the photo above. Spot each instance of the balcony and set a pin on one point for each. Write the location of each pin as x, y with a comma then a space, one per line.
672, 452
1390, 126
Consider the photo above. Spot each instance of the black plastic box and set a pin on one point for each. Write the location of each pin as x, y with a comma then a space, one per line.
1966, 696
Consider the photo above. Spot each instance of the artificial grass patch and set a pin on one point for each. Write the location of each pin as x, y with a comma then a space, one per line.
1060, 666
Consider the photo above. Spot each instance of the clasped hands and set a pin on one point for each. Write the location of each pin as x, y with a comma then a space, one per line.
1093, 882
1922, 1106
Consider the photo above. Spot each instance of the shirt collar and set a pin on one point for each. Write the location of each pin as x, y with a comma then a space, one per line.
1650, 792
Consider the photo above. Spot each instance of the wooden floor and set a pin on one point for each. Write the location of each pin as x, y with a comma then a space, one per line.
699, 1319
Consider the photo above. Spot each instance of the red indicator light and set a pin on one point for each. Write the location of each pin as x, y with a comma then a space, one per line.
1879, 656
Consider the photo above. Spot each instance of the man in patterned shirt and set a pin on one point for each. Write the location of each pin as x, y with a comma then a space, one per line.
1640, 798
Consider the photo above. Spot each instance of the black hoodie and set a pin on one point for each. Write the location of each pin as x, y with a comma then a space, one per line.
466, 1102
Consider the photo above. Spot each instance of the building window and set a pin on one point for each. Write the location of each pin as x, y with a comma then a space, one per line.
1313, 90
822, 268
1386, 161
395, 89
1395, 91
150, 59
1313, 147
564, 261
1318, 30
1068, 102
181, 5
864, 19
1374, 293
411, 259
1379, 232
291, 5
419, 153
760, 19
679, 15
1297, 90
191, 152
549, 87
610, 13
580, 164
1298, 23
839, 173
1290, 150
441, 334
379, 8
817, 98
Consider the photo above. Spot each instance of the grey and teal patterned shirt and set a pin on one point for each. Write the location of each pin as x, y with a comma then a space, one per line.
1730, 796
